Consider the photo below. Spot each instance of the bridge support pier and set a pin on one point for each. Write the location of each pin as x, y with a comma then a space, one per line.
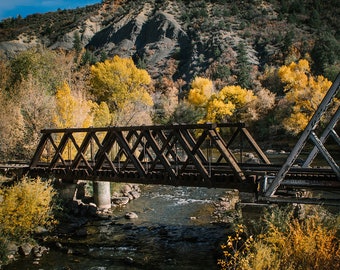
102, 194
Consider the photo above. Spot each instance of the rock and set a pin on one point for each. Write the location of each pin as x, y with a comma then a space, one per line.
73, 206
92, 210
135, 194
40, 230
38, 251
25, 249
131, 215
253, 160
136, 188
126, 189
83, 209
128, 260
115, 195
119, 201
12, 248
250, 155
59, 245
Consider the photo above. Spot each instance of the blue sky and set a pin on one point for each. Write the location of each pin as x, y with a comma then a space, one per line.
12, 8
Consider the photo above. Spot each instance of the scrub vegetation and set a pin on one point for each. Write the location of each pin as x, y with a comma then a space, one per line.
283, 241
24, 207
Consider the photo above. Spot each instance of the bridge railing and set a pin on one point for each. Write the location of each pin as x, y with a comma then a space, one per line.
171, 152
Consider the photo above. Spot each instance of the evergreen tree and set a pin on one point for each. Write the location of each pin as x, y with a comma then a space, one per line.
243, 73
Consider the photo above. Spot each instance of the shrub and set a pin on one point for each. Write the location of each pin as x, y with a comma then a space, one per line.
310, 243
24, 207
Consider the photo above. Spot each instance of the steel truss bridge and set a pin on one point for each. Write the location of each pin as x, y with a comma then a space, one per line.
202, 155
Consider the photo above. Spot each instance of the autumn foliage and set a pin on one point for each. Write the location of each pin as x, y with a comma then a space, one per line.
217, 106
122, 85
303, 91
42, 89
285, 243
24, 207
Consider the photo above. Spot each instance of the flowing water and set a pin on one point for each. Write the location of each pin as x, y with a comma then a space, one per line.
174, 230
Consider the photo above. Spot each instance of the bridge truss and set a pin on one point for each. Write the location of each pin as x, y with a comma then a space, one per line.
188, 155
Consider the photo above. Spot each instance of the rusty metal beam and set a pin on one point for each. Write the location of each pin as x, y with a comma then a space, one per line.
255, 146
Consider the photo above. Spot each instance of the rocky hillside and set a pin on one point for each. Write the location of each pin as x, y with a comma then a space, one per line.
182, 39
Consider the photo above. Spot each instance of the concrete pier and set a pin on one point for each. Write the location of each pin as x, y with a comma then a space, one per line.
102, 194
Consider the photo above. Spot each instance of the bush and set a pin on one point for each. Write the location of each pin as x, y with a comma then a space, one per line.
286, 243
24, 207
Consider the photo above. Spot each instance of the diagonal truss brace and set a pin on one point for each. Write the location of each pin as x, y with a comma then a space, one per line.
304, 137
329, 130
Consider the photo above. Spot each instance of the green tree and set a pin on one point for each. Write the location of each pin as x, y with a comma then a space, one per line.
41, 64
77, 43
325, 54
244, 69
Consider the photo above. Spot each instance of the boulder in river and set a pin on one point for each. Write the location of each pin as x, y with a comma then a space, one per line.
119, 201
131, 215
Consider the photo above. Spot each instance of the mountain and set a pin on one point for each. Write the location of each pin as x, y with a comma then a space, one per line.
182, 39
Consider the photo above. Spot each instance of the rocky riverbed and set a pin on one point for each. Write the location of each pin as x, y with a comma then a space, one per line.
161, 228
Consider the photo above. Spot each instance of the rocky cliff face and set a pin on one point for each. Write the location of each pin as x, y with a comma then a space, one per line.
179, 39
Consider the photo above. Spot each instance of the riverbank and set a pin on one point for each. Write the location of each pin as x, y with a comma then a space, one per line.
176, 228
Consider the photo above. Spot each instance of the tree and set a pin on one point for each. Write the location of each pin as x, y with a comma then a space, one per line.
123, 86
41, 64
215, 106
25, 206
201, 90
71, 110
244, 69
36, 107
11, 127
77, 43
165, 100
101, 115
303, 92
325, 55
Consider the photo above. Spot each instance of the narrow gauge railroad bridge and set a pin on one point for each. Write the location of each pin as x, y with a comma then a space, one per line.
202, 155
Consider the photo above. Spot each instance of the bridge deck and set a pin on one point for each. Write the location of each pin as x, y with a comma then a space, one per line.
220, 176
189, 155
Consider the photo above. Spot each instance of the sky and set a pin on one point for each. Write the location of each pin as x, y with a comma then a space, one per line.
12, 8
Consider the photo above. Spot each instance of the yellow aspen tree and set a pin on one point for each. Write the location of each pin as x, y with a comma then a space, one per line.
237, 95
215, 107
119, 83
217, 110
201, 90
72, 111
101, 115
303, 92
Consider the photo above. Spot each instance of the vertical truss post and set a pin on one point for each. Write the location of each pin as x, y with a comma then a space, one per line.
303, 139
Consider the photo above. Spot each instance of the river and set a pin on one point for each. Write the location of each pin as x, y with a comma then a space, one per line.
174, 230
